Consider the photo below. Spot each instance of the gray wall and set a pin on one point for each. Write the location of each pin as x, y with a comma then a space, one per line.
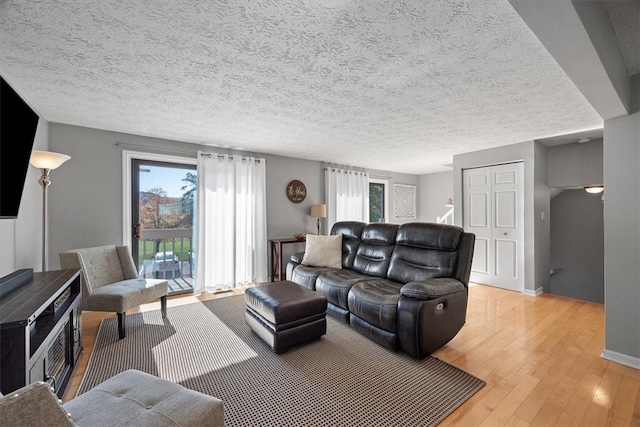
576, 165
536, 202
21, 238
435, 190
541, 223
577, 245
86, 206
622, 238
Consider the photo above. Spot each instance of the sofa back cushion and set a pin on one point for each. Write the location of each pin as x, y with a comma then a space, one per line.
424, 251
351, 232
375, 249
323, 251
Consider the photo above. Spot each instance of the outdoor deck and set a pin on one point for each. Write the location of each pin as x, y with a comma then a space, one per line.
180, 285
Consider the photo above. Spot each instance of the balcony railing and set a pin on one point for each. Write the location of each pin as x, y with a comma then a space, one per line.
168, 254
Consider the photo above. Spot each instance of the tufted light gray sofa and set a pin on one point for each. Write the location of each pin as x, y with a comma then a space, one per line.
130, 398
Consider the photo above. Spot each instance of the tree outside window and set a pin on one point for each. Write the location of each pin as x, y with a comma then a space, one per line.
376, 202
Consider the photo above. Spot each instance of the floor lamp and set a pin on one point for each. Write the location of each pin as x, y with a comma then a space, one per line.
319, 211
46, 161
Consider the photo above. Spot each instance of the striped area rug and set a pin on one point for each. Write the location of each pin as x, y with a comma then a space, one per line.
343, 379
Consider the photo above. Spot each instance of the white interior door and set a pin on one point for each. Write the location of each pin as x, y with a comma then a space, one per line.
494, 211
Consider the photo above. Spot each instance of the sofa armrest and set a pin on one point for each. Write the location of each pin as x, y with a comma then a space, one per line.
432, 288
297, 257
32, 405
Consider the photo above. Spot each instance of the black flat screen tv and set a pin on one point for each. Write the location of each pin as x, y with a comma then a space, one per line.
18, 123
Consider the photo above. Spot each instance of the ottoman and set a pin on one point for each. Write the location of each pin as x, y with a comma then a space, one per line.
284, 314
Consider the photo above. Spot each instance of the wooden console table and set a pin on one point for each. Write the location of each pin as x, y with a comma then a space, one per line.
277, 262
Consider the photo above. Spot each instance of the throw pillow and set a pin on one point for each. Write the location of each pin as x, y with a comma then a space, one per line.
323, 251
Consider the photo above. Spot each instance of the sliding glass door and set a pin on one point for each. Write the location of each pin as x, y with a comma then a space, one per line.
162, 202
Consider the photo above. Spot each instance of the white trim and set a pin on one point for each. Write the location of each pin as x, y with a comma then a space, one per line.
127, 157
385, 182
533, 293
623, 359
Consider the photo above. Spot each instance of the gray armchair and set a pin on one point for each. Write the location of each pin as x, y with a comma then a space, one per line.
130, 398
110, 281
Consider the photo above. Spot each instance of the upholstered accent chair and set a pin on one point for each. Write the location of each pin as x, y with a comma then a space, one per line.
130, 398
110, 281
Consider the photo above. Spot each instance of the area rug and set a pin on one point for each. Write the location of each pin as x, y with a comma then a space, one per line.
342, 379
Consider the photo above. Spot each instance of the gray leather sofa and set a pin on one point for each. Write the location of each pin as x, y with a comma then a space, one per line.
405, 286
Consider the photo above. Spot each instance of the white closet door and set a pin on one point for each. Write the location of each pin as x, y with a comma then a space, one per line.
494, 211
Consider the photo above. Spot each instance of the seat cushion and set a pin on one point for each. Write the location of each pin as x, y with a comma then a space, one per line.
334, 285
376, 301
136, 398
306, 275
125, 295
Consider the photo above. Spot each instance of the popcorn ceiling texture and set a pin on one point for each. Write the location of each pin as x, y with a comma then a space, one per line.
398, 86
625, 15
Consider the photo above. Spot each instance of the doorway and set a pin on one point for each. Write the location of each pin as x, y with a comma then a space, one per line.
162, 216
494, 212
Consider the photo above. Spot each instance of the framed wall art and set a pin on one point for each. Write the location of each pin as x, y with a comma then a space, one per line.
404, 201
296, 191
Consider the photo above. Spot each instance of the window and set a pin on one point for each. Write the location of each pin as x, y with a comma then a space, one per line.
378, 200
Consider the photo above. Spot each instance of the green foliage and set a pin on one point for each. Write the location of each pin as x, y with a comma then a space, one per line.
158, 211
376, 202
181, 248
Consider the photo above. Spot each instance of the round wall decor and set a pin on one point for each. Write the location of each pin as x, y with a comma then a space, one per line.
296, 191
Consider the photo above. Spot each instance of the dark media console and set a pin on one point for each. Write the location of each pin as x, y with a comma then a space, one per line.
15, 279
40, 331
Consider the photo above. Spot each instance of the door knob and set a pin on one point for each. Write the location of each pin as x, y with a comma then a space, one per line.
505, 233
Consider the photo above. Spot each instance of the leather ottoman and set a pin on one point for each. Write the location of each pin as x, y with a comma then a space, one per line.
284, 314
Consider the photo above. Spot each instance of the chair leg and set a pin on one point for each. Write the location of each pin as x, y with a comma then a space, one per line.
121, 325
163, 306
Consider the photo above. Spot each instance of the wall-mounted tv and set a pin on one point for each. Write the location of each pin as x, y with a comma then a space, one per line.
18, 123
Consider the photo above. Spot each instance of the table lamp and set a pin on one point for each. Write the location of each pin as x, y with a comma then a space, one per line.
319, 211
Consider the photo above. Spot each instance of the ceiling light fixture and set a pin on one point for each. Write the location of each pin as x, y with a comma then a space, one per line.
583, 140
594, 189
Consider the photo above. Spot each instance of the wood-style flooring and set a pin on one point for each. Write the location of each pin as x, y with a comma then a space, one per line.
540, 356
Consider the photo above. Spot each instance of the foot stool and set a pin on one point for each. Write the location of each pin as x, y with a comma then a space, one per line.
284, 314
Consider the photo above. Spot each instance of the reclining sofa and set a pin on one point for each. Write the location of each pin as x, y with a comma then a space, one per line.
403, 286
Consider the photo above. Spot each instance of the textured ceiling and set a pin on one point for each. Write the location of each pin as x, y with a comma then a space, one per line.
399, 86
625, 19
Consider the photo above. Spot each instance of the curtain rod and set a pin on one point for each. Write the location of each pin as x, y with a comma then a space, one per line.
148, 147
230, 156
169, 150
363, 172
344, 170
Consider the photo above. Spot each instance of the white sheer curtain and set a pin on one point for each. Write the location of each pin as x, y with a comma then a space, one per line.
231, 223
346, 196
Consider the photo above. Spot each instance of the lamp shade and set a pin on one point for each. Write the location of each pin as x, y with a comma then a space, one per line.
449, 203
47, 159
594, 189
319, 211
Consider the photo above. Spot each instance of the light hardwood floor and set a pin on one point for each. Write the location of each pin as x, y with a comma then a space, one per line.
540, 358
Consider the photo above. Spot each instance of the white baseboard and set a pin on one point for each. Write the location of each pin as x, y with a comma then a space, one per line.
623, 359
531, 293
